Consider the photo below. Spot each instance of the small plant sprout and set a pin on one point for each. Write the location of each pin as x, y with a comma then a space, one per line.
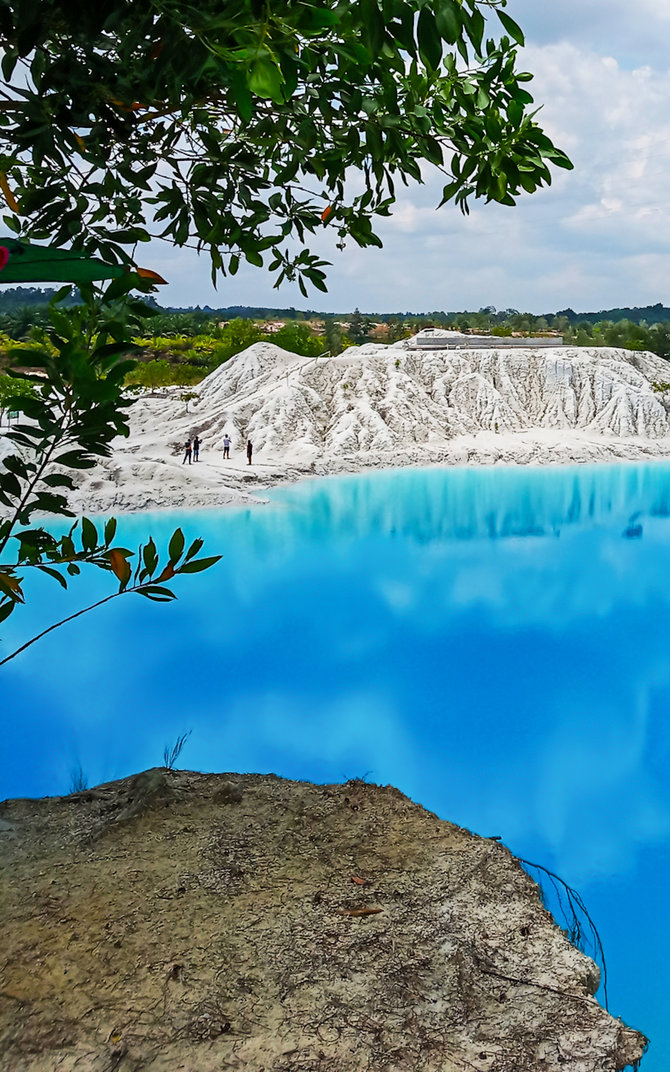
78, 780
360, 779
171, 755
188, 396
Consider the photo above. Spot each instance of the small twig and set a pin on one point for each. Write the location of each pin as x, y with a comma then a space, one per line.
574, 899
70, 618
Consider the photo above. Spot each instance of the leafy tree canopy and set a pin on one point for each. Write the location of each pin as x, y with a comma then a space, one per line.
359, 327
24, 297
233, 126
652, 314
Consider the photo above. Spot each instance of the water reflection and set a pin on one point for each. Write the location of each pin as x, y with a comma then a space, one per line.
633, 530
497, 503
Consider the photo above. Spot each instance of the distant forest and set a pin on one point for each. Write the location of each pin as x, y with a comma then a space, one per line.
182, 346
23, 297
650, 314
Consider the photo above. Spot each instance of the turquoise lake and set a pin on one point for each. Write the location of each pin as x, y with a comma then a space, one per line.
494, 642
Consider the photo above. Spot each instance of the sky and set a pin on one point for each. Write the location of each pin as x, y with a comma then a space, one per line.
598, 238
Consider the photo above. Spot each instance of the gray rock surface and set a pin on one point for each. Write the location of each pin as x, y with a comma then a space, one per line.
206, 922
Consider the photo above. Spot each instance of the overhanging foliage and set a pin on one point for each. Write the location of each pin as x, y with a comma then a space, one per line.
234, 126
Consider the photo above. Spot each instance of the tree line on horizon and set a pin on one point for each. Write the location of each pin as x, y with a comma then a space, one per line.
182, 347
18, 298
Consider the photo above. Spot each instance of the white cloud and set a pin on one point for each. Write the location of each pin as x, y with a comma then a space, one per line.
634, 33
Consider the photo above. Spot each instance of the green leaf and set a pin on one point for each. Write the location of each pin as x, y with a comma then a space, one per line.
119, 287
57, 480
6, 609
37, 358
266, 79
150, 556
129, 236
317, 282
89, 535
67, 546
194, 548
449, 191
513, 28
373, 21
430, 42
157, 593
61, 294
9, 60
561, 160
47, 503
198, 564
110, 531
319, 18
176, 546
476, 26
75, 459
448, 20
114, 349
16, 465
55, 574
11, 485
515, 112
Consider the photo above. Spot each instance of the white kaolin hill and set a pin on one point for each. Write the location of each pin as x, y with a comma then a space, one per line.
376, 406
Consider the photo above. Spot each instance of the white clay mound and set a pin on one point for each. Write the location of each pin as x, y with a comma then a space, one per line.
376, 406
378, 398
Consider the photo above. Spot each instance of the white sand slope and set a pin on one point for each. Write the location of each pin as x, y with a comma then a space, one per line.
379, 406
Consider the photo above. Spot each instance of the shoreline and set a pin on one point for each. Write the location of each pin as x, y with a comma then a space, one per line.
167, 488
379, 408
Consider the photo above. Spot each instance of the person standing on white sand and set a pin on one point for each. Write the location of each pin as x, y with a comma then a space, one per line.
250, 449
226, 446
196, 449
187, 452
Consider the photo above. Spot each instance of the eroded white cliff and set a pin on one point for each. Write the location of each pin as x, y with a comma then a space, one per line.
376, 406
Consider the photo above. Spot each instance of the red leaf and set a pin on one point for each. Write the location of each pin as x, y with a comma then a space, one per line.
9, 196
146, 273
120, 565
166, 575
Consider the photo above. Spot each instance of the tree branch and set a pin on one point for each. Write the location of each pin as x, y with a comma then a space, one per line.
70, 618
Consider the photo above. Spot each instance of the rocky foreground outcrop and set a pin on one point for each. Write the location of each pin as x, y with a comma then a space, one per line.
181, 921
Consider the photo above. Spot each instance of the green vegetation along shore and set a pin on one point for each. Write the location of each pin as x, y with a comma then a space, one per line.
181, 346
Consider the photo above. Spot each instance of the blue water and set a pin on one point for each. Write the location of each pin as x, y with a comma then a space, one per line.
494, 642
